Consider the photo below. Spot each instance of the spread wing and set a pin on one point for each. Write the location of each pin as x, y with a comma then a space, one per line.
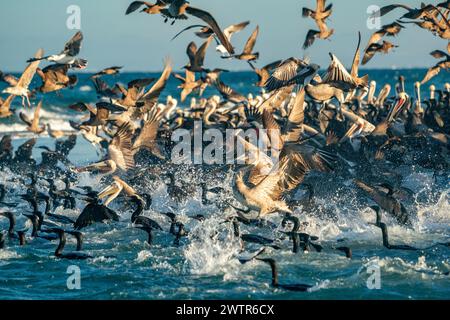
120, 148
35, 122
209, 19
431, 73
30, 70
248, 49
73, 46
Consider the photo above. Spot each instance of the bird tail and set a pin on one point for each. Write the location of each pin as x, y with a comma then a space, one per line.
364, 81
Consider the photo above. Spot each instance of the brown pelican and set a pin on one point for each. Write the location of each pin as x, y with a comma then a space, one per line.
108, 71
54, 78
133, 93
290, 71
147, 138
385, 47
247, 54
57, 134
321, 12
120, 154
339, 77
319, 16
98, 115
68, 54
386, 201
9, 79
33, 125
436, 69
390, 30
179, 9
426, 11
5, 110
188, 84
21, 88
295, 161
229, 93
114, 190
264, 73
197, 57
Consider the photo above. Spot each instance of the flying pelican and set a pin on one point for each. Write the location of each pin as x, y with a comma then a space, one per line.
197, 57
436, 69
108, 71
288, 72
263, 74
188, 84
54, 78
247, 54
319, 16
21, 88
33, 125
147, 138
120, 154
385, 47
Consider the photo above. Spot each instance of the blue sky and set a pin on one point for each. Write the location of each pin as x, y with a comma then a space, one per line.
140, 42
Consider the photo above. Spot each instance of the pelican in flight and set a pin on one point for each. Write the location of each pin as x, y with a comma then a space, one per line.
247, 54
33, 125
436, 69
374, 48
271, 180
107, 71
21, 88
319, 16
120, 154
68, 54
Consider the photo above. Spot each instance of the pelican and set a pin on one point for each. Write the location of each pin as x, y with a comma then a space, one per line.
197, 57
386, 201
54, 78
147, 138
107, 71
264, 73
188, 84
33, 125
247, 54
436, 69
319, 16
120, 154
370, 52
290, 71
21, 88
114, 190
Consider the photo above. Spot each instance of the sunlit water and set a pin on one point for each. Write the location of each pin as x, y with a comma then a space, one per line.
205, 264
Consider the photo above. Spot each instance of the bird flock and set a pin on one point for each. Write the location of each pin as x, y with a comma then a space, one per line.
318, 127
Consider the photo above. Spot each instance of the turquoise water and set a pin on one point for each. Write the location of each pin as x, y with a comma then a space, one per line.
206, 267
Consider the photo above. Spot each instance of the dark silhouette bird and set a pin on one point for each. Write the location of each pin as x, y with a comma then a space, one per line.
94, 212
276, 284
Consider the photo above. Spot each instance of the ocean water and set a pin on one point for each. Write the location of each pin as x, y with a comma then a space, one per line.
205, 264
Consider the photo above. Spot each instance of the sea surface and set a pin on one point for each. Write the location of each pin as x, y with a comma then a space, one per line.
205, 266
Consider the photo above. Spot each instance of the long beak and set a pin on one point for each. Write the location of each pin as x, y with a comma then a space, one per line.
396, 109
349, 133
113, 191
